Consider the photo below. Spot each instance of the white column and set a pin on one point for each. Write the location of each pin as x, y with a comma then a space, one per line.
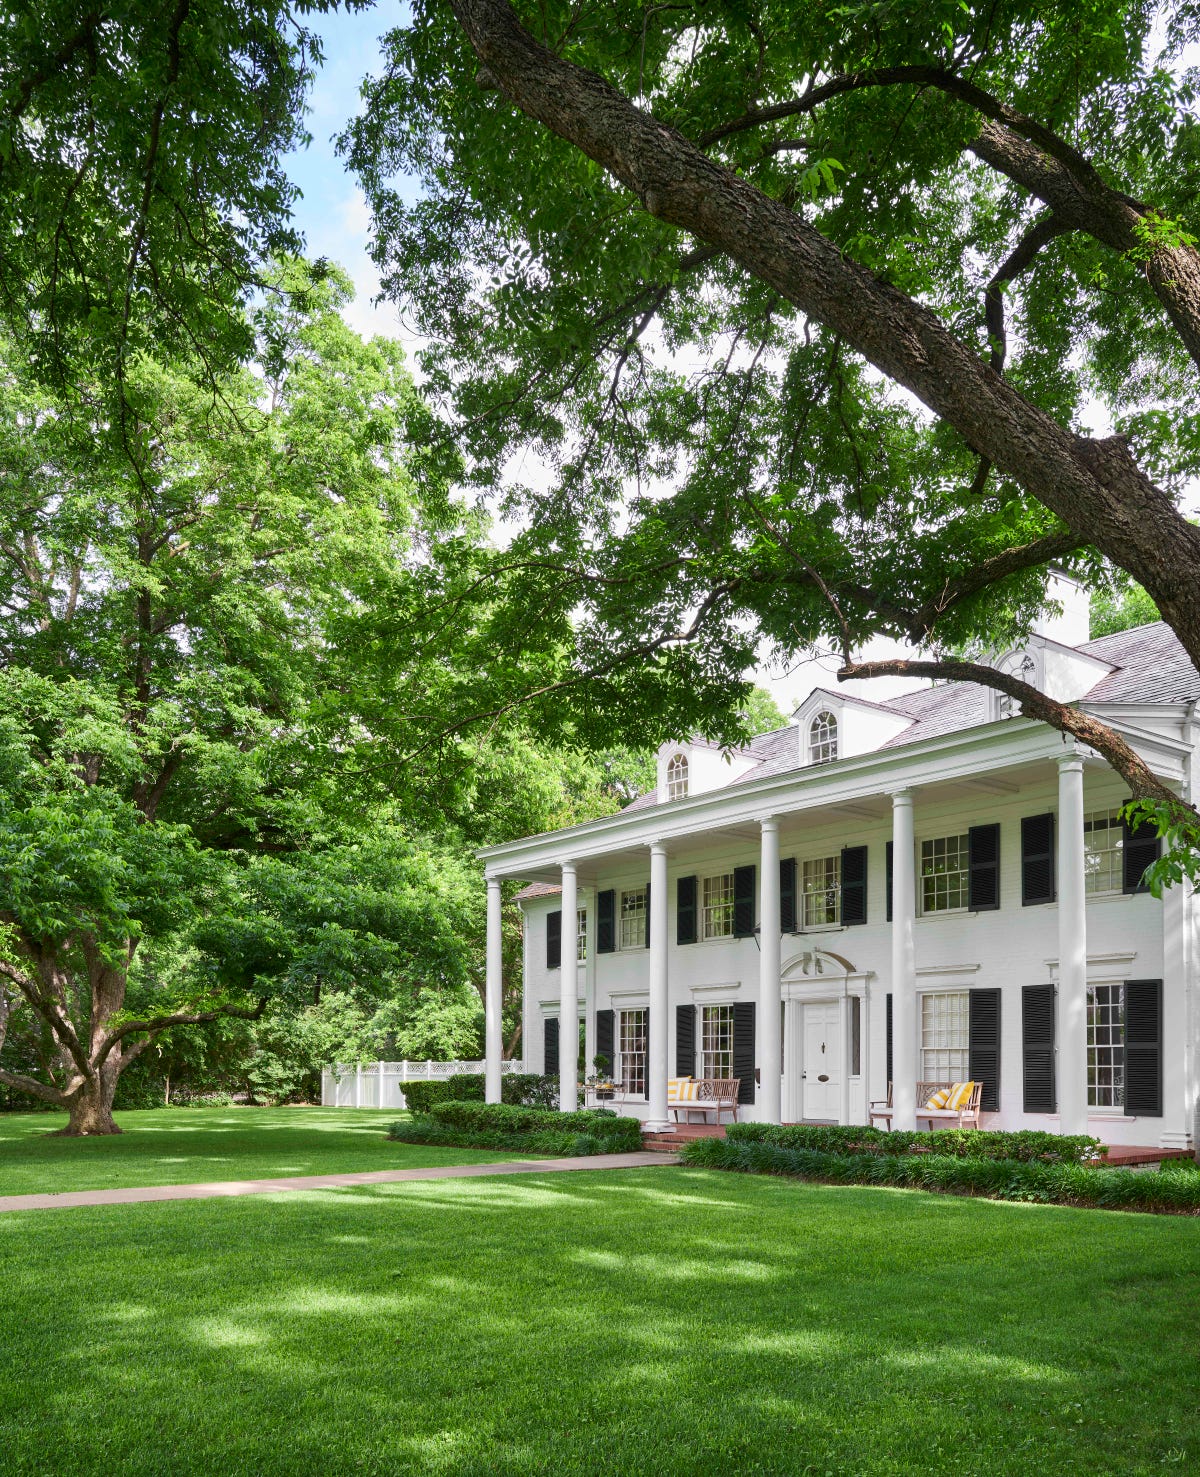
1177, 1108
568, 1011
904, 964
493, 1002
844, 1105
769, 986
1072, 950
589, 983
657, 1118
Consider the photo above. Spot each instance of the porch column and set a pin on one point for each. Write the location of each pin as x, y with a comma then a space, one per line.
769, 964
568, 1010
656, 1067
904, 964
1072, 950
493, 995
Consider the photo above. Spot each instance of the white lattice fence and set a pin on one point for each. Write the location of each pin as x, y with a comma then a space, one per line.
381, 1084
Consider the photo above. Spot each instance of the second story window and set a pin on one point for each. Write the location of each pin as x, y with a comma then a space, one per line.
822, 879
717, 907
633, 919
945, 869
1103, 851
677, 778
823, 739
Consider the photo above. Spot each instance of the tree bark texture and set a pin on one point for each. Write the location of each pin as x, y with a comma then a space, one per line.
1094, 487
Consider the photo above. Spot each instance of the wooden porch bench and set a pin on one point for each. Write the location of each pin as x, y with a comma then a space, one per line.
965, 1117
703, 1095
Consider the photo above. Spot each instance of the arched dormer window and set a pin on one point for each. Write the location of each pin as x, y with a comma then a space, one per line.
677, 778
823, 739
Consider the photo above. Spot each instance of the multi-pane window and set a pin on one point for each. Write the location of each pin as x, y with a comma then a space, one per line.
633, 919
581, 935
1103, 848
945, 1037
1106, 1046
823, 739
944, 873
677, 778
821, 879
717, 907
716, 1040
631, 1051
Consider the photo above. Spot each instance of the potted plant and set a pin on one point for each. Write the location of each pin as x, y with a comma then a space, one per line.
601, 1081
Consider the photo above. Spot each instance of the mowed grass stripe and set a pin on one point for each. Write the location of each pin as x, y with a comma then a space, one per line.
659, 1321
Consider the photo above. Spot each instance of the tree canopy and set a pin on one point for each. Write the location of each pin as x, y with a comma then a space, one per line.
808, 312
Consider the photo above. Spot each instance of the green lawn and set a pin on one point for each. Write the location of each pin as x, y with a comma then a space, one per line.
648, 1322
180, 1146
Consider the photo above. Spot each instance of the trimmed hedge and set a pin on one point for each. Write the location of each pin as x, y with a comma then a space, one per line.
522, 1089
426, 1130
1024, 1145
1081, 1185
478, 1125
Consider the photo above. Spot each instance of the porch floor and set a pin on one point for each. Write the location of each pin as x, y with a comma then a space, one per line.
1119, 1155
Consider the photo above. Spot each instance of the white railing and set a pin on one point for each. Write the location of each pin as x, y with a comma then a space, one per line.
381, 1084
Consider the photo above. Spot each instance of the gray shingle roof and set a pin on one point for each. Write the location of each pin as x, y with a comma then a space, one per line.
1150, 664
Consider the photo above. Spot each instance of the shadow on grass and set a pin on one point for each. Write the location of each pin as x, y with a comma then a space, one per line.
655, 1321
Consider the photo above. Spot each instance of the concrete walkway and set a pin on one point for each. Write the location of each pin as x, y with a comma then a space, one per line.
69, 1199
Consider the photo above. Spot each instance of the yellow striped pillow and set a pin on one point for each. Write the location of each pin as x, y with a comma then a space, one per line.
939, 1099
681, 1090
960, 1095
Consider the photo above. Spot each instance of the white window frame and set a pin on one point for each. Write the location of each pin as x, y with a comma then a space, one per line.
1103, 866
821, 891
580, 935
930, 904
632, 1064
1106, 1046
945, 1035
677, 777
633, 922
823, 738
716, 1041
716, 906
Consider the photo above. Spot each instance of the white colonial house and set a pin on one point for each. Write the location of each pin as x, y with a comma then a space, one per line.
928, 888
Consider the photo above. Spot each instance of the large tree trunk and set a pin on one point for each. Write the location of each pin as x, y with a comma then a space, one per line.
91, 1108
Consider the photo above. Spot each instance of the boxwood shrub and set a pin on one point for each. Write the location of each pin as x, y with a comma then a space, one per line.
523, 1089
529, 1130
1176, 1190
1024, 1145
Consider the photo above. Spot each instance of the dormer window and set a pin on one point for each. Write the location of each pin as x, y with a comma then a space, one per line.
823, 739
677, 778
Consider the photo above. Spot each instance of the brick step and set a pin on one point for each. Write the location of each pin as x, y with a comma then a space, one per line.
1126, 1155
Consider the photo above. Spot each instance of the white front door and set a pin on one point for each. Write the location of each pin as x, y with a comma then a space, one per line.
822, 1061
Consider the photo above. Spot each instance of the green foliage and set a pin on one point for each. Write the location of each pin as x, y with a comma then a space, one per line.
510, 1119
1121, 609
1024, 1145
1036, 1181
519, 1089
547, 1141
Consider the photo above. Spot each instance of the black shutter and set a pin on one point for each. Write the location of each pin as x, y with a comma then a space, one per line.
1037, 859
550, 1046
888, 1032
983, 884
605, 1031
1037, 1048
854, 884
743, 1048
647, 942
606, 921
685, 911
743, 901
1143, 1048
787, 895
1140, 849
983, 1045
890, 851
554, 940
685, 1041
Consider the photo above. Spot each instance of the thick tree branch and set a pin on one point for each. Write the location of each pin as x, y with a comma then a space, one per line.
1039, 234
1143, 782
156, 1024
1095, 488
